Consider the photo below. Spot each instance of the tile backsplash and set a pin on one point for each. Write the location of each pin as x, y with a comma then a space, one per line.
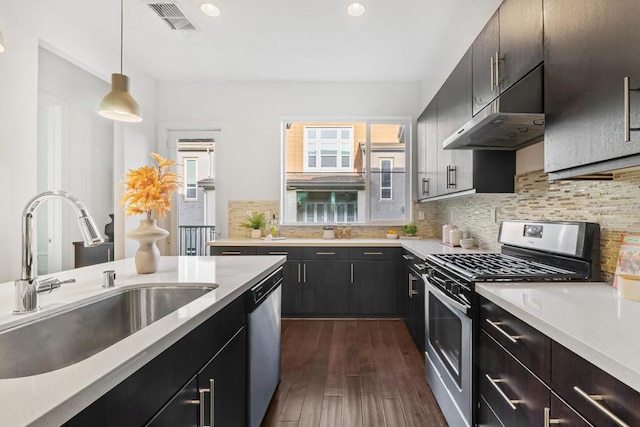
612, 204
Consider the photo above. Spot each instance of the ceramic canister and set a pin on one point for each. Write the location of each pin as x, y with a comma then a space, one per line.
454, 236
446, 230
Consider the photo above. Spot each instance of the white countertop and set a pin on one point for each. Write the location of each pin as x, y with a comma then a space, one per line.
421, 248
54, 397
589, 319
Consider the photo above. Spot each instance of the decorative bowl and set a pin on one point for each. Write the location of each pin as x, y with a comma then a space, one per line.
467, 243
392, 236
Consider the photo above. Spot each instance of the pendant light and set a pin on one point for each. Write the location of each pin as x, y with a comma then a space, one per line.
1, 42
119, 104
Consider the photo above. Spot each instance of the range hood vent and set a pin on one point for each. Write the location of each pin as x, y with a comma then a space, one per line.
172, 15
513, 121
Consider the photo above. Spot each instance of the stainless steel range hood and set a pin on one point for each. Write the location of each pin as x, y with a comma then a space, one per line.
512, 121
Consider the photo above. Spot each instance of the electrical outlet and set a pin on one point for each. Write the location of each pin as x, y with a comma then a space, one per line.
421, 215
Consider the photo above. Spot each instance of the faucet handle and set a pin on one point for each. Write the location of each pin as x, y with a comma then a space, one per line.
51, 283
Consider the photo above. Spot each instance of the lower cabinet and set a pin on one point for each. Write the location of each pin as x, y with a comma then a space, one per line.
522, 381
333, 281
415, 318
169, 390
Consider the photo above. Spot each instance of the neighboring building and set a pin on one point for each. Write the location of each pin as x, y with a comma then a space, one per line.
196, 197
326, 172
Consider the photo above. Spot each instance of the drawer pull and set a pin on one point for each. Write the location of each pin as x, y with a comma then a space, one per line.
593, 400
548, 420
202, 391
373, 253
502, 331
231, 253
494, 382
407, 257
325, 253
278, 253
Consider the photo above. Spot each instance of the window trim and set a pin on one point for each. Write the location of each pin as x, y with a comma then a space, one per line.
190, 185
390, 187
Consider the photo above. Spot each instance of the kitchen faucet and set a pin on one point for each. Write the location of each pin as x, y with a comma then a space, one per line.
26, 288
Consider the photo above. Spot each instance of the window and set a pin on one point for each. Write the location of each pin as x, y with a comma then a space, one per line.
191, 179
346, 172
386, 167
328, 148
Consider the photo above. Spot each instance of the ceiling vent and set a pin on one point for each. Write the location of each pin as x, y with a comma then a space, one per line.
172, 15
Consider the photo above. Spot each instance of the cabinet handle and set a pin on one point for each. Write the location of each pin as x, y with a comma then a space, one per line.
304, 273
494, 382
451, 177
351, 272
593, 400
212, 398
278, 253
492, 73
412, 291
425, 190
497, 70
231, 253
627, 109
109, 254
373, 253
503, 332
548, 420
299, 273
203, 391
325, 253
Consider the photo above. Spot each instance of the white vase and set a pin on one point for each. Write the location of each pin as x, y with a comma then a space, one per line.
147, 234
256, 233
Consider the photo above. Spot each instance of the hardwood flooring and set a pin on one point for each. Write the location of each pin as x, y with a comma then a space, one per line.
351, 373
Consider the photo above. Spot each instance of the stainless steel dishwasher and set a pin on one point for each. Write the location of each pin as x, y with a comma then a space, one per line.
263, 324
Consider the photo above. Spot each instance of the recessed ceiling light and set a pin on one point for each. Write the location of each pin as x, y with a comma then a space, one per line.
355, 9
210, 9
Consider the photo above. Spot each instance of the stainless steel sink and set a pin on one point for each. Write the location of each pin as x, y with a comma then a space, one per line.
67, 337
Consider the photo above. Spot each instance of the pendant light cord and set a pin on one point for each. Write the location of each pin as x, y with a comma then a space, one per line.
121, 32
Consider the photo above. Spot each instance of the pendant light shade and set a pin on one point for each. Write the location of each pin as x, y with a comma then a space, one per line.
119, 104
1, 42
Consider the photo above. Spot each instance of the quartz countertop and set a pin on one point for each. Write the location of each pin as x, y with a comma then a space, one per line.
54, 397
420, 248
590, 319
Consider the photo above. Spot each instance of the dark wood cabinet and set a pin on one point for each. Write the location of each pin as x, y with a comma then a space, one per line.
427, 185
415, 318
590, 46
233, 250
585, 387
93, 255
454, 110
507, 49
180, 410
485, 49
292, 277
563, 414
372, 287
326, 287
137, 399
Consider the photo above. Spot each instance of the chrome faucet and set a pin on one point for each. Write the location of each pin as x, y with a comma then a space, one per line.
26, 288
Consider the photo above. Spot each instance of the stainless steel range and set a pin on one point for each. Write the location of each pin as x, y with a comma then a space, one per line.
531, 251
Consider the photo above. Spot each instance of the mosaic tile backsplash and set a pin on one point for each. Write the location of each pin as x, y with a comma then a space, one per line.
612, 204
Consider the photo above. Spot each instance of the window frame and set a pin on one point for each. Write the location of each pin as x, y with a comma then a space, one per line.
289, 217
187, 184
318, 145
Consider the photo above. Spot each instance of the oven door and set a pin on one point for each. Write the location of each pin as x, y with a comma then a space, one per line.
449, 354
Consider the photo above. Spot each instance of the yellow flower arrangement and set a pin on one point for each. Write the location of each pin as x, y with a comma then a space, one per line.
149, 188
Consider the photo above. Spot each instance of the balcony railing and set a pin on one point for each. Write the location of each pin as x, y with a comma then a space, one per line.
192, 239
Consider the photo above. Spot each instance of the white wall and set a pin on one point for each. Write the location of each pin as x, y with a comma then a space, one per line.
249, 155
23, 30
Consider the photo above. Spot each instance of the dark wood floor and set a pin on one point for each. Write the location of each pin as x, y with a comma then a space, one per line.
351, 373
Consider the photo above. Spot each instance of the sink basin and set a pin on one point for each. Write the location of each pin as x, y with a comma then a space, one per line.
65, 338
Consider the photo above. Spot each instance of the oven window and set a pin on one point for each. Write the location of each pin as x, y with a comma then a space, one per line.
445, 336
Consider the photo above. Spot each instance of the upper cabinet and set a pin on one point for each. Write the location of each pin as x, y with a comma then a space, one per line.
590, 47
428, 152
508, 48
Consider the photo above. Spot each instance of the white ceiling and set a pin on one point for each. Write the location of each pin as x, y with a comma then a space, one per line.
280, 40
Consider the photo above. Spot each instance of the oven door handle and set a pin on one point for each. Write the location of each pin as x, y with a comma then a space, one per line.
464, 308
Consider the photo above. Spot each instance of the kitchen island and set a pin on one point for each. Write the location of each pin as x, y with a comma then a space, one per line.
54, 397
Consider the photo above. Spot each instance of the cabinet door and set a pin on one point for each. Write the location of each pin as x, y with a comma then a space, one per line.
181, 411
514, 394
225, 376
432, 149
292, 288
372, 287
326, 287
455, 167
485, 47
590, 46
564, 415
416, 314
520, 40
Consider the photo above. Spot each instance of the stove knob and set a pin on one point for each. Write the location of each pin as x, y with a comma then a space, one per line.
448, 284
455, 288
